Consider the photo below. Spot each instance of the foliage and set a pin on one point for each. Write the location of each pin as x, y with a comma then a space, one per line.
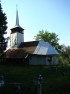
65, 54
3, 27
52, 38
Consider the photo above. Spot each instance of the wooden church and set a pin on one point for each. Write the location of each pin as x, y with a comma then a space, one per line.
31, 52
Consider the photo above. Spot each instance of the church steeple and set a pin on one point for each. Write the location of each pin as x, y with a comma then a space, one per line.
17, 27
17, 33
17, 18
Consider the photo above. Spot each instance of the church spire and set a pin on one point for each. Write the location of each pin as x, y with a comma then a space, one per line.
17, 17
17, 33
17, 27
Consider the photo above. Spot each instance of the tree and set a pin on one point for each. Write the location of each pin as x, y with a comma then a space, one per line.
3, 27
65, 56
68, 53
52, 38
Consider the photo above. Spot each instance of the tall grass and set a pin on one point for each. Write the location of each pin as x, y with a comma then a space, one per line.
56, 79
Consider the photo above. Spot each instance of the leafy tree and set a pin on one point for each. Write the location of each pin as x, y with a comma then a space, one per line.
68, 53
65, 56
3, 27
52, 38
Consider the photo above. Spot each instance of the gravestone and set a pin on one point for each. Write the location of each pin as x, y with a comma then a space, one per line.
40, 78
2, 81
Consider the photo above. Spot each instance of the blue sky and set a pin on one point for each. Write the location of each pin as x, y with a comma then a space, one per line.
35, 15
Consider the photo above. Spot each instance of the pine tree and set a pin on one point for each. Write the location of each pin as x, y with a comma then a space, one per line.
3, 27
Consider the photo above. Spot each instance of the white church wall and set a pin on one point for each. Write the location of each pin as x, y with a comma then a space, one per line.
47, 62
13, 40
42, 60
37, 60
16, 39
53, 62
20, 38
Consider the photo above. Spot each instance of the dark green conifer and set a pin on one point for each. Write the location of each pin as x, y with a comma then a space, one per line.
3, 27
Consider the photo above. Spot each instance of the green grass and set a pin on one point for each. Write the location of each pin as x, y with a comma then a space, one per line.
56, 80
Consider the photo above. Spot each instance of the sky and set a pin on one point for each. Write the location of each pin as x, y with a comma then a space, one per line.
35, 15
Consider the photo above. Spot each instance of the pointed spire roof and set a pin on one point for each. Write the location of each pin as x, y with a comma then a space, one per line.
17, 18
17, 27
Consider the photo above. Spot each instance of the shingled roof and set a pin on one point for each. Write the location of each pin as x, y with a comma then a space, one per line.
28, 44
23, 50
33, 47
15, 53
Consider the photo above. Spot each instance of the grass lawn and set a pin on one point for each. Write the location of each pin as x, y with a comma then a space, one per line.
56, 80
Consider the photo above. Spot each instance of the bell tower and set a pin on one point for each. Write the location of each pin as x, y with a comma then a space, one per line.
17, 34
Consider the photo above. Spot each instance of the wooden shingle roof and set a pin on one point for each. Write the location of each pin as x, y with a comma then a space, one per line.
24, 49
28, 44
